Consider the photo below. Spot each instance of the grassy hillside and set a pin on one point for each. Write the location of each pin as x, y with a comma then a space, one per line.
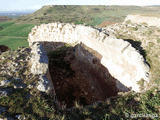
14, 35
92, 15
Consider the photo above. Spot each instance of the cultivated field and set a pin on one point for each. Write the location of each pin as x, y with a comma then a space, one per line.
14, 34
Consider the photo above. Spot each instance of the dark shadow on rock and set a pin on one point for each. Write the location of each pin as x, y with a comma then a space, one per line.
51, 46
78, 75
137, 46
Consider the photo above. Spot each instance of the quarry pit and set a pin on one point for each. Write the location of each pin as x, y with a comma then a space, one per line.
84, 65
78, 79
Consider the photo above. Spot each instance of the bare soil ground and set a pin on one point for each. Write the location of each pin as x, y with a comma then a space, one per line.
78, 81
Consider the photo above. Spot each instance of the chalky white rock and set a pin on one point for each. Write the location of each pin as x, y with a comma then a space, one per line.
123, 61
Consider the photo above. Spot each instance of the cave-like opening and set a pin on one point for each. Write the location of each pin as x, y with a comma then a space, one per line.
78, 75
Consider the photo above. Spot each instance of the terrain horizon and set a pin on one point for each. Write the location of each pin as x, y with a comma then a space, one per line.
88, 15
109, 72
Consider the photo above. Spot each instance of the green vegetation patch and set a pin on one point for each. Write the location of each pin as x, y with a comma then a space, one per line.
158, 40
13, 42
21, 102
14, 35
90, 15
122, 107
4, 25
18, 30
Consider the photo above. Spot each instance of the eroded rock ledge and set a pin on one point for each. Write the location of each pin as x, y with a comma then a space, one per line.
123, 61
140, 19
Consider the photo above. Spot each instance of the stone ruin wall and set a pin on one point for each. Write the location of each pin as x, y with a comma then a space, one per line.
122, 60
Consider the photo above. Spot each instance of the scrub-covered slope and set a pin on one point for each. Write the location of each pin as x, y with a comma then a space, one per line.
25, 92
145, 38
20, 98
92, 15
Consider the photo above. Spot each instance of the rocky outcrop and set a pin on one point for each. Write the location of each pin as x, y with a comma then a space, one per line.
20, 87
121, 59
15, 71
146, 40
39, 61
140, 19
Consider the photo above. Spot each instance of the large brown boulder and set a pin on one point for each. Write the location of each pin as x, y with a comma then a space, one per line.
4, 48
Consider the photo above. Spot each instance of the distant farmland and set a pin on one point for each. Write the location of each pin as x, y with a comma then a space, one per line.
4, 18
14, 33
90, 15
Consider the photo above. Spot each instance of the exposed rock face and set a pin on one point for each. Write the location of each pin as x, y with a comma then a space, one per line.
39, 66
44, 84
39, 60
78, 75
146, 39
139, 19
16, 72
19, 87
122, 60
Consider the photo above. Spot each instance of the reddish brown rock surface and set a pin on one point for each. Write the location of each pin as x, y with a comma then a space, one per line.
77, 79
105, 23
